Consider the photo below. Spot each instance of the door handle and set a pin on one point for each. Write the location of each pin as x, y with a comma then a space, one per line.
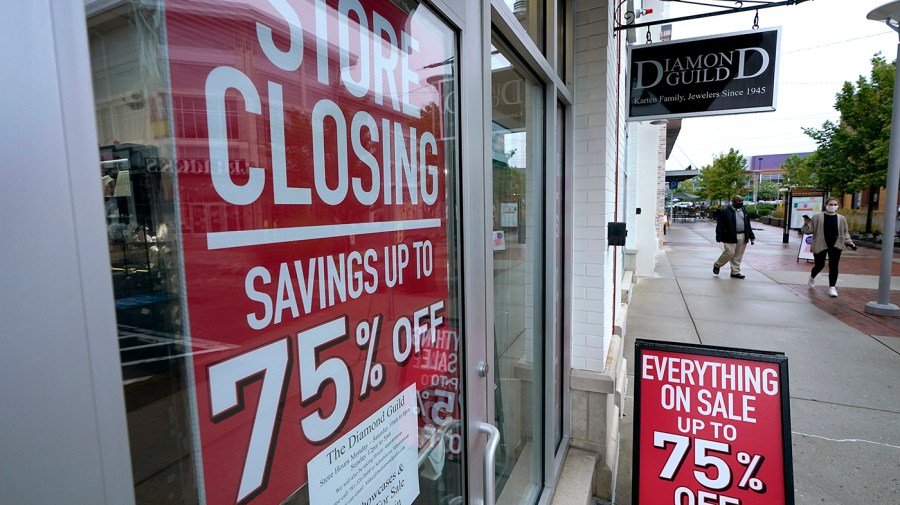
490, 454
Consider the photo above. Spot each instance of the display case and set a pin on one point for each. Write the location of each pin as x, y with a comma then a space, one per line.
140, 252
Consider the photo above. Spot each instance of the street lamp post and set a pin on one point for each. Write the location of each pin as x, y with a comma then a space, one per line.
890, 15
758, 178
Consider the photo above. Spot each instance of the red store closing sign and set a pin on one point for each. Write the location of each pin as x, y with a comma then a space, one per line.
323, 127
712, 426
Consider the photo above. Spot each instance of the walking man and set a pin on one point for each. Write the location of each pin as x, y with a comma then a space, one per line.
733, 231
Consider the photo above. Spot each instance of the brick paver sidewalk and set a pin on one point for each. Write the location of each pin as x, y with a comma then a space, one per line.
849, 307
770, 254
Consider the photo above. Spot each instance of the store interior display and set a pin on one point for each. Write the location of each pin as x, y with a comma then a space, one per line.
140, 248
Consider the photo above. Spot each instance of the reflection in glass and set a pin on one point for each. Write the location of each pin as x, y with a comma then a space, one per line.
530, 14
562, 37
130, 88
518, 278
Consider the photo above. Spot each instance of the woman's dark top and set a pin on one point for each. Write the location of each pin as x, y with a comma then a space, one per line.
831, 230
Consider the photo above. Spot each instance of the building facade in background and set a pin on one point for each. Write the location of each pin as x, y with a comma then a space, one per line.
768, 167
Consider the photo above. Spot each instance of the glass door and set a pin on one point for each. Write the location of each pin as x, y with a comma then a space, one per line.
517, 277
282, 181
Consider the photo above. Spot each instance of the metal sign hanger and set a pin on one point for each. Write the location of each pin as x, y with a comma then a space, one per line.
722, 7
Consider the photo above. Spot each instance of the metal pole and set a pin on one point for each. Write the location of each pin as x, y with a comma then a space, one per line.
884, 307
786, 234
755, 185
725, 10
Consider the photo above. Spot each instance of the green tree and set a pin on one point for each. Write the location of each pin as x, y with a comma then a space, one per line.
801, 172
700, 185
852, 154
766, 190
692, 186
726, 176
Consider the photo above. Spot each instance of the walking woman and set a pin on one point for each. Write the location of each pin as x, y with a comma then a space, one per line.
830, 235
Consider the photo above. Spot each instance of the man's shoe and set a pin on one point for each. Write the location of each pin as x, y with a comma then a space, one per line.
811, 282
740, 276
715, 270
832, 292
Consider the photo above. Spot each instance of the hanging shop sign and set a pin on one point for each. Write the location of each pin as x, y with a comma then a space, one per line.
728, 74
322, 132
712, 425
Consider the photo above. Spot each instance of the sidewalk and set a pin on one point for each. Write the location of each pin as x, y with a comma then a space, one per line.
844, 364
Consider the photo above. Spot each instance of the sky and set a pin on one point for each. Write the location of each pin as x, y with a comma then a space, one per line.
823, 44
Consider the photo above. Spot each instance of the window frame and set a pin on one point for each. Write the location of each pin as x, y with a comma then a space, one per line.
543, 65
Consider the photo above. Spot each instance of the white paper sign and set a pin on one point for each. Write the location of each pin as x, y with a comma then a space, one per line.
509, 215
375, 462
499, 241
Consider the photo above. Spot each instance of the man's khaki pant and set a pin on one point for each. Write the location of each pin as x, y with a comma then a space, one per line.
733, 253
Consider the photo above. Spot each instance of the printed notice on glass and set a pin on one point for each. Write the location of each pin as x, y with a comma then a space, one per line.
375, 462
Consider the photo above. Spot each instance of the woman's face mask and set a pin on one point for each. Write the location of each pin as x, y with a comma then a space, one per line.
831, 208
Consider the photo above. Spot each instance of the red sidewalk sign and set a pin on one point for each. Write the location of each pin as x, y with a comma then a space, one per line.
313, 219
712, 426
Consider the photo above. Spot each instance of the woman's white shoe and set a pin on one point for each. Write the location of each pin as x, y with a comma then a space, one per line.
832, 292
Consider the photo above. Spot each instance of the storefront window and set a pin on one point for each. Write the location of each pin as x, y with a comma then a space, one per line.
281, 189
563, 37
127, 60
530, 14
518, 280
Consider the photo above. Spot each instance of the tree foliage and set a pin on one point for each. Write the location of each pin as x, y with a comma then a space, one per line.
726, 176
766, 190
692, 186
852, 154
801, 172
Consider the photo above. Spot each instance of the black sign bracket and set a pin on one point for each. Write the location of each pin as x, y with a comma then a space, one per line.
732, 7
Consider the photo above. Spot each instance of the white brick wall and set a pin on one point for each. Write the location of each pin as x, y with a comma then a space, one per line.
594, 170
